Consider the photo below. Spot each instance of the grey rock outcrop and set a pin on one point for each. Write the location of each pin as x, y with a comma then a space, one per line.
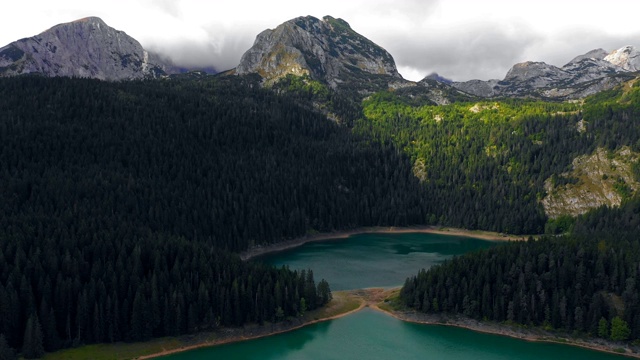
598, 54
86, 48
478, 87
597, 176
327, 50
627, 57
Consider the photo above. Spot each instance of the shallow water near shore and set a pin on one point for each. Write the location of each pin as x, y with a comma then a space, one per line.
369, 334
382, 260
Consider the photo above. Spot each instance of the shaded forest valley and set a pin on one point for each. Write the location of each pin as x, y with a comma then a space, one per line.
124, 205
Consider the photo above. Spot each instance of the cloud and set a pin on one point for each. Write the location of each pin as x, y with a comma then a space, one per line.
561, 48
211, 50
459, 39
481, 51
171, 7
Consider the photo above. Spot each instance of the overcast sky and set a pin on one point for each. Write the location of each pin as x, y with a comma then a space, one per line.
459, 39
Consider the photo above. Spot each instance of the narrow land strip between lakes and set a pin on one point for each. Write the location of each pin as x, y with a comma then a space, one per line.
351, 301
379, 299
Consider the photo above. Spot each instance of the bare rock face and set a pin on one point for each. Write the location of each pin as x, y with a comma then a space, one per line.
327, 50
478, 87
537, 74
84, 48
587, 69
627, 57
597, 54
596, 178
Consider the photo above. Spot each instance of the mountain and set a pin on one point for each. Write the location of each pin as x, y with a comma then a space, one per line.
598, 54
584, 75
83, 48
627, 57
326, 50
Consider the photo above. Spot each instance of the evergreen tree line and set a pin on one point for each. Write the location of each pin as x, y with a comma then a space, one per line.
587, 281
124, 285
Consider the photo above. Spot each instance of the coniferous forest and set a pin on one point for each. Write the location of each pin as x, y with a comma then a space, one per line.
124, 201
587, 281
124, 205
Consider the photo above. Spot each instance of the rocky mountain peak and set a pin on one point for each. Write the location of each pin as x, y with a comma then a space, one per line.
327, 50
437, 77
627, 57
584, 75
86, 47
532, 70
596, 54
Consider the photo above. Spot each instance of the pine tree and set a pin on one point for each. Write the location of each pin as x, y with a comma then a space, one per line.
619, 329
138, 318
32, 347
324, 292
6, 352
603, 328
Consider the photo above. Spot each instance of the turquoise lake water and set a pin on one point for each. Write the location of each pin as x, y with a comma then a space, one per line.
383, 260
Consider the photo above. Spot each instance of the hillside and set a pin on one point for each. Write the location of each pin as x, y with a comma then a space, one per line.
601, 179
490, 160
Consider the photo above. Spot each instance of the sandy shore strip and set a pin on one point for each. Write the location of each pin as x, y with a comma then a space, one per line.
290, 244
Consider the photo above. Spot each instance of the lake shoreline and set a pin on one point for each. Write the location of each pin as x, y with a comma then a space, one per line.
254, 331
532, 334
348, 302
257, 251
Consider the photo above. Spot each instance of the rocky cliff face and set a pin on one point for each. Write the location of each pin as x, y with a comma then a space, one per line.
627, 57
327, 50
585, 75
596, 178
84, 48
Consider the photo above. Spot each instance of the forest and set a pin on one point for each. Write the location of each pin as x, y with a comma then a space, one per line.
123, 200
587, 281
124, 205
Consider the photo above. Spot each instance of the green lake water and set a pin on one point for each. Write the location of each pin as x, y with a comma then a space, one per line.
373, 260
369, 334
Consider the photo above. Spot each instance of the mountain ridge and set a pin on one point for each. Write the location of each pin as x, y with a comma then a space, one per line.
584, 75
327, 50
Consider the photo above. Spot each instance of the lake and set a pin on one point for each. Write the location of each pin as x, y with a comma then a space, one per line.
382, 260
374, 260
